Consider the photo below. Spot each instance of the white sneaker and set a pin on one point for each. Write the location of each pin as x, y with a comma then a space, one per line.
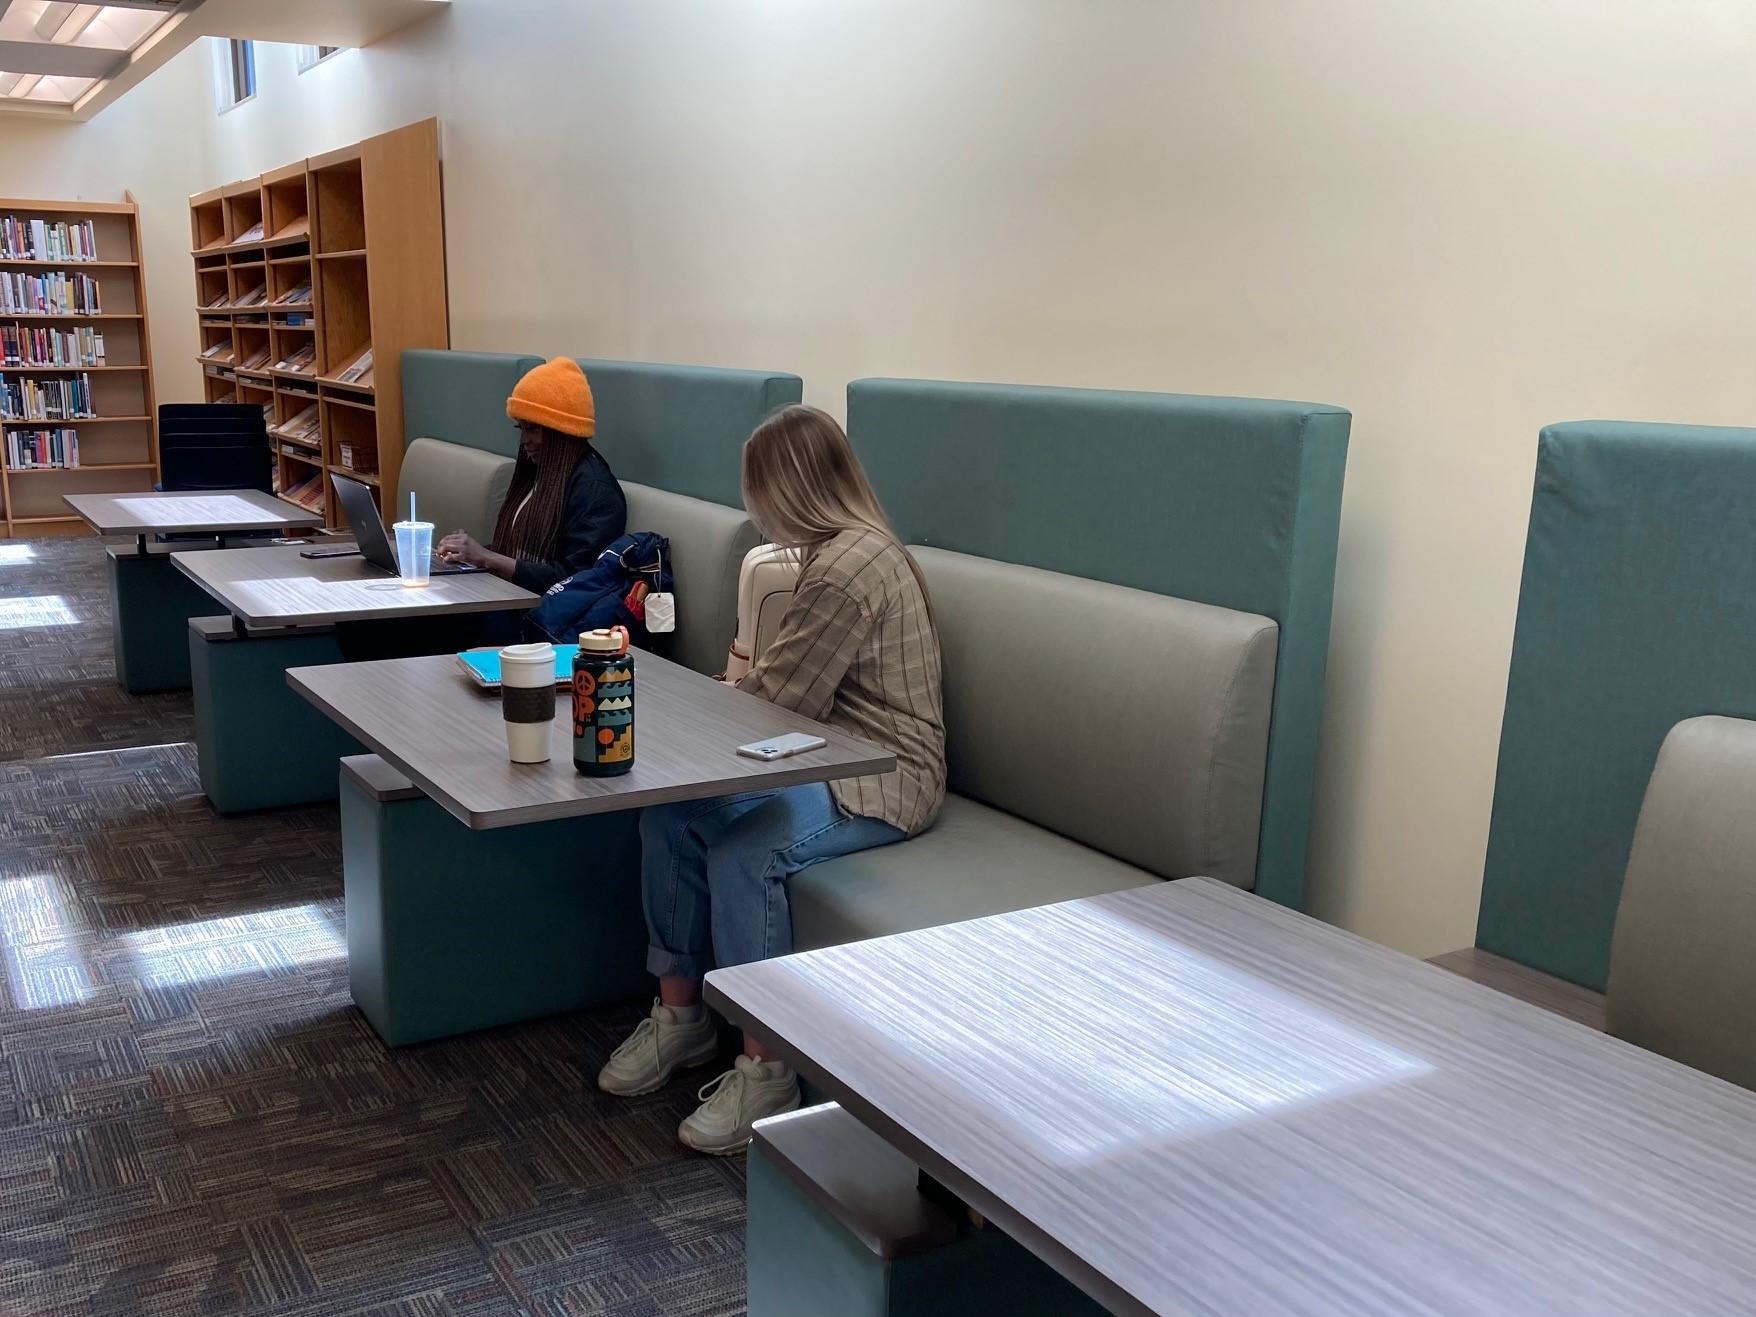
660, 1044
735, 1101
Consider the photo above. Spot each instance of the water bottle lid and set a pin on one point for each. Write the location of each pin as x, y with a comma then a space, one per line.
605, 640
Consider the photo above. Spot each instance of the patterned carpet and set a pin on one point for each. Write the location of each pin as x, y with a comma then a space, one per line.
193, 1117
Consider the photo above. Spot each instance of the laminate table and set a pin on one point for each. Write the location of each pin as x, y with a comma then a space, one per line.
480, 891
286, 611
226, 512
277, 587
151, 603
426, 719
1187, 1099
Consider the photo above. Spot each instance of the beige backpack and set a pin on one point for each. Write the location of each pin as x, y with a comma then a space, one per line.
765, 588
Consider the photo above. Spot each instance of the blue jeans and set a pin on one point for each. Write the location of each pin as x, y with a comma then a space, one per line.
713, 873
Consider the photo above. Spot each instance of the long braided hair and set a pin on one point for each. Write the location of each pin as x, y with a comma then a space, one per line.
534, 534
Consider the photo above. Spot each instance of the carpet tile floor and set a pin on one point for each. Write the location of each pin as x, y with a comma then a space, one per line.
194, 1119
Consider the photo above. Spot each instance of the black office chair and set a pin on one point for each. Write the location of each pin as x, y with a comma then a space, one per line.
211, 446
208, 446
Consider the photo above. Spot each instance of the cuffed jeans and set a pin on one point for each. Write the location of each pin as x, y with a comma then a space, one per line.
713, 873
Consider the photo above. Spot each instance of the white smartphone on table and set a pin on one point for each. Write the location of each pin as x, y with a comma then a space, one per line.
782, 747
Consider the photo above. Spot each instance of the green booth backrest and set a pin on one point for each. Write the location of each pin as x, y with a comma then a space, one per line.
1637, 610
682, 428
460, 397
1227, 501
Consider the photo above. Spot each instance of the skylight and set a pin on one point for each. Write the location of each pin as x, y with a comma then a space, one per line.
60, 50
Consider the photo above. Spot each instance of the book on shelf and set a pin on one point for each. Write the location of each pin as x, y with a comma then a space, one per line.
47, 240
34, 450
218, 302
257, 360
22, 346
360, 372
299, 361
31, 399
307, 493
220, 351
255, 297
303, 427
295, 296
251, 234
55, 293
225, 399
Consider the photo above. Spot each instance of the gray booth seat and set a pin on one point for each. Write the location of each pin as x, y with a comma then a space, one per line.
1683, 958
1097, 738
708, 544
459, 488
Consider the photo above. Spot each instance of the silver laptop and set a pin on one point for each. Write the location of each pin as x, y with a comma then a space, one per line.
369, 533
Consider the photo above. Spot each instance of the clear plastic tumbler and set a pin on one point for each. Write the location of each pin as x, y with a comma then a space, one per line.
414, 550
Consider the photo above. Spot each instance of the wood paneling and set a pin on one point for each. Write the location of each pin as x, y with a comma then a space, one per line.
1188, 1099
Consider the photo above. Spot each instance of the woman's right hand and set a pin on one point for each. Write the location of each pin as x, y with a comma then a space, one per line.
453, 545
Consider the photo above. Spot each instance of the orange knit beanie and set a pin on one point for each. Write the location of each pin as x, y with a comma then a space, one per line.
557, 395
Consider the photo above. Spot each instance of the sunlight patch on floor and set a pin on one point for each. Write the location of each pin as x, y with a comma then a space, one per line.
34, 610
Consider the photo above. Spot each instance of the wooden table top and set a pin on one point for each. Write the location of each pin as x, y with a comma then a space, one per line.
428, 720
1188, 1099
155, 513
275, 587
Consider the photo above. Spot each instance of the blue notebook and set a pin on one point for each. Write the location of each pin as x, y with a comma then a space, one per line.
483, 665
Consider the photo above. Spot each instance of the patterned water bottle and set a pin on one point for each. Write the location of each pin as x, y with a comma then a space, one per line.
603, 703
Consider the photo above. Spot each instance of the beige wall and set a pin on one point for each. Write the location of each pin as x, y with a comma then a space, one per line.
1461, 221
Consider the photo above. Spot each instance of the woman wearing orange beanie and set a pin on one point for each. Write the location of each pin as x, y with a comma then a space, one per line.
564, 505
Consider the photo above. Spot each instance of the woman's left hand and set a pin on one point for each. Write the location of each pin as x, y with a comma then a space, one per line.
458, 547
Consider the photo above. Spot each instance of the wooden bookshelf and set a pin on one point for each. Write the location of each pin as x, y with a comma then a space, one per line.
360, 228
118, 447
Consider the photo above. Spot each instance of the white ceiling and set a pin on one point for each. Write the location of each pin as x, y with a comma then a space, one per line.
66, 60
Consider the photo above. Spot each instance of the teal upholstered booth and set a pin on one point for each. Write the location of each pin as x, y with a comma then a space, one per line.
460, 397
555, 905
1637, 610
1228, 501
676, 428
682, 428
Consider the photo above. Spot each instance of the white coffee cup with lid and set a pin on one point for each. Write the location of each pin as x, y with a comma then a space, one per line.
527, 700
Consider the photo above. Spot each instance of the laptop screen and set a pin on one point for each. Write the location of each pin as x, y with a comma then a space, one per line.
363, 520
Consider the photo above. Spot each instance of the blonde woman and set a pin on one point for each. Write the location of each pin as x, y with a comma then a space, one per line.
857, 649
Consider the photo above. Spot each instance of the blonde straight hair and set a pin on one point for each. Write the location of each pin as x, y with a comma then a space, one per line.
804, 485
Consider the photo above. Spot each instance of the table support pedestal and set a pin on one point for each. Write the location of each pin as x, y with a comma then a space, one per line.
837, 1225
151, 603
452, 930
259, 743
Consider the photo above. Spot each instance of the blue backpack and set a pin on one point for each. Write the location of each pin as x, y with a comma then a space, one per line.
611, 592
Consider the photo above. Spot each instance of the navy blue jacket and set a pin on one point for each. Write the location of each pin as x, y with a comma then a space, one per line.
597, 597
